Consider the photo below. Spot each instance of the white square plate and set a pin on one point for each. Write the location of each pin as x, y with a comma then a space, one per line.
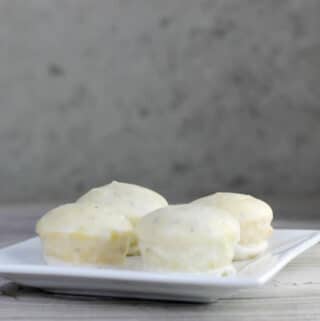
22, 263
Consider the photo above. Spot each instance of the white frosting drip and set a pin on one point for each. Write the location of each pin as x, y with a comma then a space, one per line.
245, 252
50, 260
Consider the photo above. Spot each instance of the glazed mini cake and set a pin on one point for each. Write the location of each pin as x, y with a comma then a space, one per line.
187, 238
136, 201
254, 216
84, 234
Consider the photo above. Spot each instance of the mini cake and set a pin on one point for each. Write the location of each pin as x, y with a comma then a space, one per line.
254, 216
136, 201
84, 234
188, 238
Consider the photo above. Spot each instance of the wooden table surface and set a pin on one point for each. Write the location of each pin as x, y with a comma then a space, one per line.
294, 294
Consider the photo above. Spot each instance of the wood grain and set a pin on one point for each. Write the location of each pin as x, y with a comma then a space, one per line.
293, 295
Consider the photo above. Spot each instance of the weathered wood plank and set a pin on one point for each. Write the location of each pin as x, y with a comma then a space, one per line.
40, 307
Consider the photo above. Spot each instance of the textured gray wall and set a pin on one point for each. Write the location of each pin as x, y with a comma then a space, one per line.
184, 96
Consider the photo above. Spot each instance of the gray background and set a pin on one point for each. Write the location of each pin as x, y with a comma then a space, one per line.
184, 96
